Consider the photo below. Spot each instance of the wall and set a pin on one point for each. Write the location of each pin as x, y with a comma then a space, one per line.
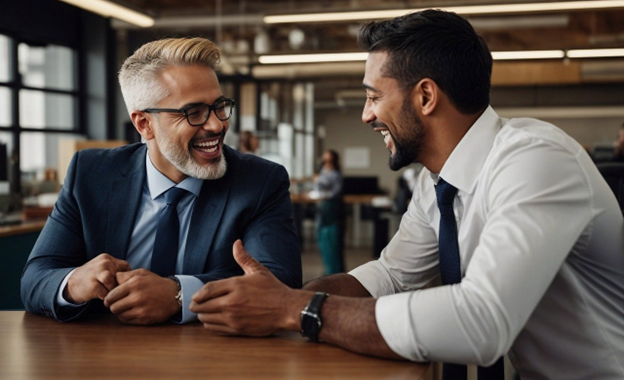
344, 127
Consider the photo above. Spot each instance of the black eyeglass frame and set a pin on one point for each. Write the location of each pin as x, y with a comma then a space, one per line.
184, 110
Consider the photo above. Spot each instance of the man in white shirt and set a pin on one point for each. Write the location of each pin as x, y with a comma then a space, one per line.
538, 234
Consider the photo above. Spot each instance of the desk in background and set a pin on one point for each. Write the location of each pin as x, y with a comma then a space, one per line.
355, 200
16, 242
37, 347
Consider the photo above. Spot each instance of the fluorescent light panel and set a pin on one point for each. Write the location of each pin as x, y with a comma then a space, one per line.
311, 58
108, 9
464, 10
496, 55
527, 54
595, 53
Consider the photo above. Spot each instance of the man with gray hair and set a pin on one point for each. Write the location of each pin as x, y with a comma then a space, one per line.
138, 230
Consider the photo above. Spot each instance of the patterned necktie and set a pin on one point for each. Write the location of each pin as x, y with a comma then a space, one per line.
450, 270
165, 252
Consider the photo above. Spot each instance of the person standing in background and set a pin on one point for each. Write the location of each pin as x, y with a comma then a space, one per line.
328, 185
248, 143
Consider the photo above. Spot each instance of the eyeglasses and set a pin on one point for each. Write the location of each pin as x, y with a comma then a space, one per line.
197, 114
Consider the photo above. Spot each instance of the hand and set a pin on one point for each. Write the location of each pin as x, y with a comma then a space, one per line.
255, 304
95, 279
143, 298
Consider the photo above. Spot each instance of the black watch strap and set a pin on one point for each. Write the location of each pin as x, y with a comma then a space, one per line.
311, 317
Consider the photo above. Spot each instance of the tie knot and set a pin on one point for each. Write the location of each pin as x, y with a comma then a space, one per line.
445, 192
174, 195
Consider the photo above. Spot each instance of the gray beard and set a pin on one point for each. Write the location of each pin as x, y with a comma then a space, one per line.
185, 163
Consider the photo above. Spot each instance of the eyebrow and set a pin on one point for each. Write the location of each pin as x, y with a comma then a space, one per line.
371, 88
200, 103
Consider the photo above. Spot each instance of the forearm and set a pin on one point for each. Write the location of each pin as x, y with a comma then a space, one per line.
347, 322
339, 284
350, 323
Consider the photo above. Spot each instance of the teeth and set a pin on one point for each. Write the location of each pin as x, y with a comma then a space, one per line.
385, 133
207, 144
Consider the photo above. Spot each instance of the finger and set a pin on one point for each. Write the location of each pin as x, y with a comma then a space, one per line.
244, 260
121, 265
107, 279
212, 290
121, 306
214, 305
220, 329
212, 319
116, 294
123, 277
99, 290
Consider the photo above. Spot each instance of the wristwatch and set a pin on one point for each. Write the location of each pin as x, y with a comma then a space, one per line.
311, 317
178, 296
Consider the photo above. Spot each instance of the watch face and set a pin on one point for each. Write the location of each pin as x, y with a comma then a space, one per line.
310, 325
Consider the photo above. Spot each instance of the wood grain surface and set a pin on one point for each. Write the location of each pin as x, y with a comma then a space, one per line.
37, 347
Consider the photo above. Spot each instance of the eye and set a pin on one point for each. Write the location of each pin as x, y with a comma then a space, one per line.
193, 111
372, 98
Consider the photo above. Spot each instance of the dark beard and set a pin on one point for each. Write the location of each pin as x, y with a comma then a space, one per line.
407, 149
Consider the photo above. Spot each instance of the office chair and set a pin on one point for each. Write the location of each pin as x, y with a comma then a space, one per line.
613, 173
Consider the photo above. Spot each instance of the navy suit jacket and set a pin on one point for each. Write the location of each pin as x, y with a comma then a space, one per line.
97, 207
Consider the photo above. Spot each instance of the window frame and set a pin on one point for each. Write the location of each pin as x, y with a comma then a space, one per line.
15, 85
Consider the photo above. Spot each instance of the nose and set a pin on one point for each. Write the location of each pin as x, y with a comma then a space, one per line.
213, 124
368, 116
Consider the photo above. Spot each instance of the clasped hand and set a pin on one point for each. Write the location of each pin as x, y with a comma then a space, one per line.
135, 296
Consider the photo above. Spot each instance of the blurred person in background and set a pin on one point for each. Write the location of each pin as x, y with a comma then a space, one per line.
328, 188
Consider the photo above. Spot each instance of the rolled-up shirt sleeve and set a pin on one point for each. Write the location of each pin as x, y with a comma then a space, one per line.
539, 204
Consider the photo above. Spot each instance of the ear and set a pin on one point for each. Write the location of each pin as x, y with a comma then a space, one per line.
143, 123
426, 95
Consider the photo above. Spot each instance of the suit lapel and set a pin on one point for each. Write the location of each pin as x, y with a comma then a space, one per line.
125, 196
206, 218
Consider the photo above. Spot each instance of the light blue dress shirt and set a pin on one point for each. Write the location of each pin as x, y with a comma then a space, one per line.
144, 233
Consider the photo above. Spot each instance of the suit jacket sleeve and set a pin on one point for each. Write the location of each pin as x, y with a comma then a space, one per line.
270, 236
59, 249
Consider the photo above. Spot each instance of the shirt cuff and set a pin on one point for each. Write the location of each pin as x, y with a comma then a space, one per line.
392, 314
374, 278
190, 285
60, 300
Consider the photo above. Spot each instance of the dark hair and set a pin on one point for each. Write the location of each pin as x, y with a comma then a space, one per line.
434, 44
335, 159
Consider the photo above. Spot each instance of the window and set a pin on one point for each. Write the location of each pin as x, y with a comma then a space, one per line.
39, 104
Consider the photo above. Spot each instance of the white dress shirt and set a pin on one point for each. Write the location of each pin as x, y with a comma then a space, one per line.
541, 241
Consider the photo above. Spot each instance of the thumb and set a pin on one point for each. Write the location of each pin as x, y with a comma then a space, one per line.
248, 263
124, 276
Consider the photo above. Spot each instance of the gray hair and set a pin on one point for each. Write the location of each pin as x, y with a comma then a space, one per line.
139, 76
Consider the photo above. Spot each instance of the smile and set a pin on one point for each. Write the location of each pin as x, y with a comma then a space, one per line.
207, 146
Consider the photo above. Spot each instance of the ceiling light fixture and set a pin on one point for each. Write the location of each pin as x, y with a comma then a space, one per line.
595, 53
527, 54
311, 58
496, 55
108, 9
463, 10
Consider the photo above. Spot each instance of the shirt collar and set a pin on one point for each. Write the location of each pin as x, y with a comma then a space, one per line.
158, 183
463, 166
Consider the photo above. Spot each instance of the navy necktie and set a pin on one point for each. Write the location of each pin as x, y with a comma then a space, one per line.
165, 252
450, 270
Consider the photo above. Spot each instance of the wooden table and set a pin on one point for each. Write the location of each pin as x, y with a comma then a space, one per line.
37, 347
